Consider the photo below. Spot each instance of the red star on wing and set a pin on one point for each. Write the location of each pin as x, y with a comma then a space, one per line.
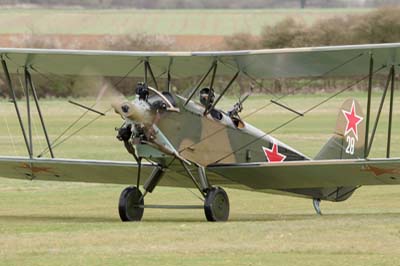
352, 120
380, 171
273, 155
36, 169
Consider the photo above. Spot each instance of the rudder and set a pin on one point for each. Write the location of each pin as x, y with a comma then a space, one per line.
348, 139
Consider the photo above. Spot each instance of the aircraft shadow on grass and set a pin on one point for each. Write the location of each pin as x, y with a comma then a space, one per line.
243, 218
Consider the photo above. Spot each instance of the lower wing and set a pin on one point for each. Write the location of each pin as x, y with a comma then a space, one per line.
324, 179
96, 171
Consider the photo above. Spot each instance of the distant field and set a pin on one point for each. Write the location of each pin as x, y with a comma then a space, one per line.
167, 22
307, 134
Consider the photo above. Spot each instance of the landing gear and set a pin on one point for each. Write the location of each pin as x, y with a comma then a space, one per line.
216, 205
317, 208
216, 202
130, 205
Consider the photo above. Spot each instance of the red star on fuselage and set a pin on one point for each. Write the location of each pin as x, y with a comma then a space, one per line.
273, 155
352, 120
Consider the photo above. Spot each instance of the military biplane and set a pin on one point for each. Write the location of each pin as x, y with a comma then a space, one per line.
179, 138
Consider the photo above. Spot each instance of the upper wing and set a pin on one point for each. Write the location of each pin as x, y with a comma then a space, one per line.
271, 63
312, 174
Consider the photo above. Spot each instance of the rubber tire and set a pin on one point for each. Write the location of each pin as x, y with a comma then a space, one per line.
216, 205
129, 198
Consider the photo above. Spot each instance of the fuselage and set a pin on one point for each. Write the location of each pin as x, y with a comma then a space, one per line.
218, 138
186, 131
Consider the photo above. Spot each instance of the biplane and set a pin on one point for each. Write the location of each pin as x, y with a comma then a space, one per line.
189, 139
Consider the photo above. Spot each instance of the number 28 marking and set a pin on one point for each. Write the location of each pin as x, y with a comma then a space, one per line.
350, 145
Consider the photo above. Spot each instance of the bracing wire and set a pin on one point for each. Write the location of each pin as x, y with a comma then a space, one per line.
277, 98
78, 130
296, 117
56, 141
10, 135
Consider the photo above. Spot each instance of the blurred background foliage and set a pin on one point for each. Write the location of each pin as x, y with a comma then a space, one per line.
380, 25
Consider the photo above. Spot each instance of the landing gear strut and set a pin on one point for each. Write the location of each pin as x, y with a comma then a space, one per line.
216, 201
131, 202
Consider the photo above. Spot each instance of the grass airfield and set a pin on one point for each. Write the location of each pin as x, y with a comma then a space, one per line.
50, 223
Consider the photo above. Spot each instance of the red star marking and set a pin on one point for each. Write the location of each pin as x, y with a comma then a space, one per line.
380, 171
35, 169
352, 120
273, 155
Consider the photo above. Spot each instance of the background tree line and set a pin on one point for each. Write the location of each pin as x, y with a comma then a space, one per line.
378, 26
181, 4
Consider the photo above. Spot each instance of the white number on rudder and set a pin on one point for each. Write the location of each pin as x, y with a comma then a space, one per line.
350, 145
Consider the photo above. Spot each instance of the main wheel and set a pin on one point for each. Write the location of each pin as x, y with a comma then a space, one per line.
216, 205
130, 199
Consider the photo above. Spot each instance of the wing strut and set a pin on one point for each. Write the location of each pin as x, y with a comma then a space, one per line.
28, 113
390, 113
370, 75
169, 75
390, 81
200, 82
211, 88
225, 89
389, 78
29, 83
147, 67
12, 93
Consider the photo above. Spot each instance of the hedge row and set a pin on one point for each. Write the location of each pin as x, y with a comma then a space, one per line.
378, 26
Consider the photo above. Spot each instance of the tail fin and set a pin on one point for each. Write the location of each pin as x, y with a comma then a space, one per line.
347, 142
348, 139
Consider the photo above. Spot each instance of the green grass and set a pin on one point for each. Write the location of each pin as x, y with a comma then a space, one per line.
50, 223
166, 22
